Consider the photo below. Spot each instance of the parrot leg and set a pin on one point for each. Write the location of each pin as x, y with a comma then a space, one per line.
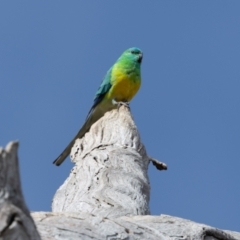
119, 104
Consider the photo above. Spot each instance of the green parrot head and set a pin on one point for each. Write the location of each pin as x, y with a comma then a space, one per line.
133, 55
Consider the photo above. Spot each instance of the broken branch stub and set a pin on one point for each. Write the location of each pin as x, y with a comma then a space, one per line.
15, 219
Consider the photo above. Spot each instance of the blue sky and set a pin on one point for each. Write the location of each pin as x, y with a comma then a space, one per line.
53, 56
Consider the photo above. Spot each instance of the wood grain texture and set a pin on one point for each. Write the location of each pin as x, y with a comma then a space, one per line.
110, 176
87, 226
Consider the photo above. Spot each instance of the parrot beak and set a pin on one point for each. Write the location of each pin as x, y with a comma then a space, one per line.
140, 58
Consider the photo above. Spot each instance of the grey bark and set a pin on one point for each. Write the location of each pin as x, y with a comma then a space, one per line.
110, 173
15, 219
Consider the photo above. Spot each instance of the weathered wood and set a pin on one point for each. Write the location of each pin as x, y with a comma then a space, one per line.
86, 226
110, 176
108, 186
15, 219
16, 222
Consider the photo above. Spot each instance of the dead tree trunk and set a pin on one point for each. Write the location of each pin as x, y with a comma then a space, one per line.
15, 219
110, 176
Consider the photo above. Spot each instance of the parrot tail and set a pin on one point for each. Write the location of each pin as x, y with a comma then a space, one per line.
94, 115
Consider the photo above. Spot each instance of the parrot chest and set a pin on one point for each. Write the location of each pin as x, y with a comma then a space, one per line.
124, 87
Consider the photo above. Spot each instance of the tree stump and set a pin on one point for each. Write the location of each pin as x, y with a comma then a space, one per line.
110, 176
15, 219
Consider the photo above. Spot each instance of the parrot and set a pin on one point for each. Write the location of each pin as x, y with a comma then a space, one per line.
120, 84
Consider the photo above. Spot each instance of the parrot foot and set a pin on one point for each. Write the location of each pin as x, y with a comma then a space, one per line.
119, 104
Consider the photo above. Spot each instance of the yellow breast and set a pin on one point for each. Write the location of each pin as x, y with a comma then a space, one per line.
124, 86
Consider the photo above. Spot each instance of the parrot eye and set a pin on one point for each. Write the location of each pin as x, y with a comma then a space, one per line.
135, 52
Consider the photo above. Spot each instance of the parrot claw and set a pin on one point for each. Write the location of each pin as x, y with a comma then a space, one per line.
119, 104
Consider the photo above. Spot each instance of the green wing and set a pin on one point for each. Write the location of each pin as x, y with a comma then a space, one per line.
102, 90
